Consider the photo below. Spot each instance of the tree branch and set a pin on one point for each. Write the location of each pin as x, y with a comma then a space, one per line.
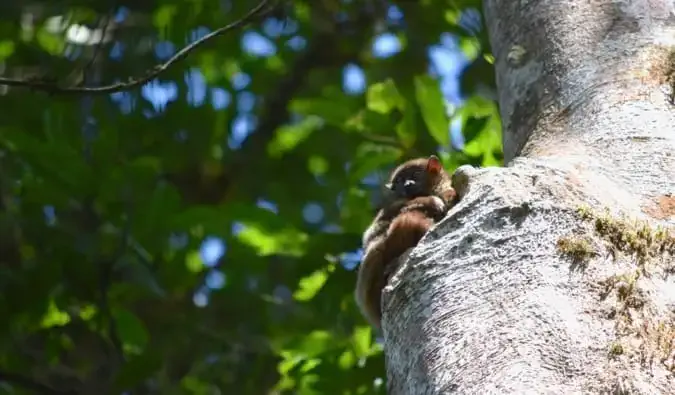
260, 10
99, 45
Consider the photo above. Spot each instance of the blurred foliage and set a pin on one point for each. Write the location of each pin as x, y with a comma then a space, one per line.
199, 235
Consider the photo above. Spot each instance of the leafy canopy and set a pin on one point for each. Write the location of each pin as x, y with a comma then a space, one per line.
195, 229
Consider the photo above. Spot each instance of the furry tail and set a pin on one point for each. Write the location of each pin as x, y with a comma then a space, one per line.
404, 233
380, 260
370, 281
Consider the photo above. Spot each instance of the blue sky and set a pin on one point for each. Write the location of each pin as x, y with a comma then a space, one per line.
446, 63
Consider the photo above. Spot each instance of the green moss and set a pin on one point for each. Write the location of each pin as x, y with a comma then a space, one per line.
626, 289
616, 349
647, 245
585, 212
660, 338
636, 238
579, 248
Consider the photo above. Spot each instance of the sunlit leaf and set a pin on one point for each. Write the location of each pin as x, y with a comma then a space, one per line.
50, 42
310, 285
473, 127
470, 47
288, 137
361, 339
88, 312
317, 165
289, 241
431, 102
54, 316
290, 360
382, 97
485, 142
347, 359
193, 261
315, 343
6, 49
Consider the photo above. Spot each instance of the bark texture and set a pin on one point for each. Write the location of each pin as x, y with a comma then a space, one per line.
494, 299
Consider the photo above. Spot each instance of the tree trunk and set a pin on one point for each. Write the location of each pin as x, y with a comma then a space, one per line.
529, 285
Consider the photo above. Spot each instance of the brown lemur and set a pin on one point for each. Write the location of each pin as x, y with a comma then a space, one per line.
418, 194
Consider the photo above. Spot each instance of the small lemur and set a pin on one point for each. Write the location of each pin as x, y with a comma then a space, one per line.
418, 194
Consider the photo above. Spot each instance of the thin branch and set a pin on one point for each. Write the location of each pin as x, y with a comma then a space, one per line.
30, 384
99, 45
53, 88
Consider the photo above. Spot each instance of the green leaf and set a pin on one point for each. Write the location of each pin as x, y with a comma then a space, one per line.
88, 312
72, 176
288, 137
347, 360
382, 97
310, 364
131, 331
407, 128
432, 106
54, 316
453, 16
163, 16
6, 49
140, 274
290, 360
361, 340
473, 127
370, 157
137, 369
332, 112
193, 262
314, 344
317, 165
51, 43
193, 385
485, 142
470, 47
209, 218
369, 121
309, 286
288, 241
155, 208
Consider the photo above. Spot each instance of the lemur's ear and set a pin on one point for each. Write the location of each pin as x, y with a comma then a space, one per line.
434, 165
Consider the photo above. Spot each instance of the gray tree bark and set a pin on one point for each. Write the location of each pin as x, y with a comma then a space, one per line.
528, 286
